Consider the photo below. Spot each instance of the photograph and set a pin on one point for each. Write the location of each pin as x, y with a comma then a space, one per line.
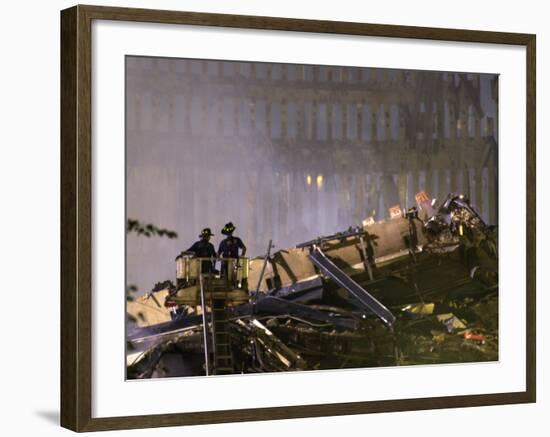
292, 217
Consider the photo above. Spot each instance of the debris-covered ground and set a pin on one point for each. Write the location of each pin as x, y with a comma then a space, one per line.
462, 330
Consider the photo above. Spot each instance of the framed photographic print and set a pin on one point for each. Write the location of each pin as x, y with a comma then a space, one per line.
267, 218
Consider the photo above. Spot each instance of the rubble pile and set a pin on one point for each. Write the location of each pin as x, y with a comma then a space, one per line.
403, 291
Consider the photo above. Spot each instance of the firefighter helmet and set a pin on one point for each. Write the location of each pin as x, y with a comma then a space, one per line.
228, 229
206, 232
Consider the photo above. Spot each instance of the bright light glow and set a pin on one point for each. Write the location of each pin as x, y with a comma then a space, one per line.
319, 181
308, 179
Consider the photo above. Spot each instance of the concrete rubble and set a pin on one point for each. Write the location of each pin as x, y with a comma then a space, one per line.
401, 291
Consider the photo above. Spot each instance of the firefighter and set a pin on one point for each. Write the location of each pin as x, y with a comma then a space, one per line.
229, 247
204, 249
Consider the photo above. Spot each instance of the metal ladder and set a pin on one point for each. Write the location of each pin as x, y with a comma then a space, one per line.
222, 363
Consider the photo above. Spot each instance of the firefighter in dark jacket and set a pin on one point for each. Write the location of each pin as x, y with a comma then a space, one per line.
204, 249
229, 247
